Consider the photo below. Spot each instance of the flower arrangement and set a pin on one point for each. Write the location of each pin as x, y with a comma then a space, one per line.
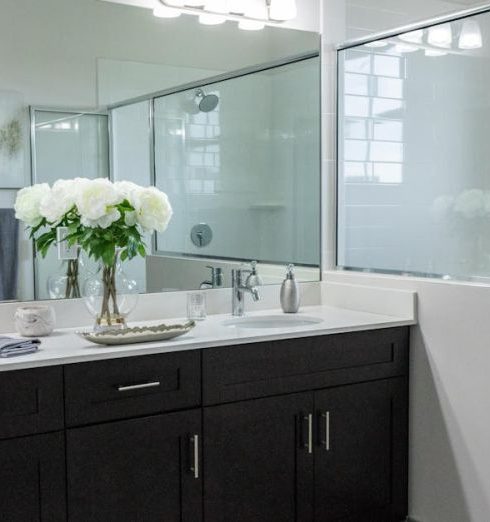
105, 219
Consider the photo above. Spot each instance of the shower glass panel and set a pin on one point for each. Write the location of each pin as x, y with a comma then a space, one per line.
413, 154
66, 145
242, 156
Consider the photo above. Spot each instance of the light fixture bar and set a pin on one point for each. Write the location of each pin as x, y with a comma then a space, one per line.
229, 16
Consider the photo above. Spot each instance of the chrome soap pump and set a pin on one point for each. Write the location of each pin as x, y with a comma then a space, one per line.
290, 294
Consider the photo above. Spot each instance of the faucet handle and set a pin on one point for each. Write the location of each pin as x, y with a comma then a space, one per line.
254, 278
216, 275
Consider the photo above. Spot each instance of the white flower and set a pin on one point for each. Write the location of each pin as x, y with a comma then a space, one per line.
152, 207
126, 188
470, 203
95, 202
27, 204
61, 199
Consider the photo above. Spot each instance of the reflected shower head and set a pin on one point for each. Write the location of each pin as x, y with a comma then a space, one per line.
208, 102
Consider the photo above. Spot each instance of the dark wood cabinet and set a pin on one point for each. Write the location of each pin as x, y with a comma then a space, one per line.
258, 460
299, 430
142, 469
32, 479
360, 455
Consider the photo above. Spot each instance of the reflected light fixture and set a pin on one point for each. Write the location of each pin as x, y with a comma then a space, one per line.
470, 37
251, 15
406, 48
435, 53
441, 35
377, 44
413, 36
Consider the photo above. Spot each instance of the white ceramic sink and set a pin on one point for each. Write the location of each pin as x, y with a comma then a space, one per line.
273, 321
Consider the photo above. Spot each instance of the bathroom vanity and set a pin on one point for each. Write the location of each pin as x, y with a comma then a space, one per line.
307, 428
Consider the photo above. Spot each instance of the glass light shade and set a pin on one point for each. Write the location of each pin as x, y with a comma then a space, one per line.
217, 6
176, 3
470, 37
194, 3
406, 48
378, 44
441, 35
413, 36
435, 53
162, 11
283, 10
250, 25
237, 6
211, 19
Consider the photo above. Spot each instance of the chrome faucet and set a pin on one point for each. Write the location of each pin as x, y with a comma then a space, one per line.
241, 288
216, 280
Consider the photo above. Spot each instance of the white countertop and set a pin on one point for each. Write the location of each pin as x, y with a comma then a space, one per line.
65, 347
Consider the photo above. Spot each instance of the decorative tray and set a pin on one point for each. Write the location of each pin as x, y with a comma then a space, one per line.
145, 334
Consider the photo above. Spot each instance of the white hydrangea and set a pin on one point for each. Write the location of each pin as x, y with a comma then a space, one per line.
28, 203
60, 200
95, 201
152, 209
470, 203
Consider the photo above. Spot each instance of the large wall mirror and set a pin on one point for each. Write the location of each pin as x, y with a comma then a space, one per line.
225, 121
414, 192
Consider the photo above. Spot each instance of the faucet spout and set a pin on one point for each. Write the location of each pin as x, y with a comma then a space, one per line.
240, 289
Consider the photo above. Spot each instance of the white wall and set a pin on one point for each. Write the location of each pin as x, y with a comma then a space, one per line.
450, 356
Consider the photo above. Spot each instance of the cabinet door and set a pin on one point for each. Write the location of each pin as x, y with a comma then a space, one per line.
145, 469
361, 452
32, 479
258, 460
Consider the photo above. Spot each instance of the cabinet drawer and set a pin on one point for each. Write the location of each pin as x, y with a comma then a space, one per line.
31, 401
131, 387
258, 370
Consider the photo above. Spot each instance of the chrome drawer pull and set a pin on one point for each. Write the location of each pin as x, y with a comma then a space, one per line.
138, 386
309, 445
195, 465
326, 416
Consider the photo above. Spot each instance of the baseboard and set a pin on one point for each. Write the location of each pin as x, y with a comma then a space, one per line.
409, 519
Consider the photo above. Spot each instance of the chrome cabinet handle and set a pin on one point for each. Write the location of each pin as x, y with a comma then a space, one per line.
326, 442
309, 443
138, 386
195, 459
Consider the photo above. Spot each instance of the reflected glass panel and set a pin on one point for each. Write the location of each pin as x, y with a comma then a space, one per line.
413, 172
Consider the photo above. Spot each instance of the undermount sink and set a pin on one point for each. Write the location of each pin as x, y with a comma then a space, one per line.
273, 321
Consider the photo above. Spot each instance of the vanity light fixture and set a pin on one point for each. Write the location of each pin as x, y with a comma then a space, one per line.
406, 48
440, 36
377, 44
415, 37
470, 37
251, 15
435, 53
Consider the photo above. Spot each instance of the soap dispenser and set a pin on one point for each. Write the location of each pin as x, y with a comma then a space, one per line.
290, 298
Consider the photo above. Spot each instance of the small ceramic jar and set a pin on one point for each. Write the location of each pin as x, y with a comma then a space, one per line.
35, 321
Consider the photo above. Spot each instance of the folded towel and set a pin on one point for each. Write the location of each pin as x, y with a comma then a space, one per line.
10, 347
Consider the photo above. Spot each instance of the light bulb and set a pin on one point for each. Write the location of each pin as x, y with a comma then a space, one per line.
175, 3
470, 37
378, 44
282, 10
441, 35
162, 11
434, 53
211, 19
412, 36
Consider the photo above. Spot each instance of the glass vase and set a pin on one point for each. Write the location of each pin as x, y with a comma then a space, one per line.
110, 296
66, 283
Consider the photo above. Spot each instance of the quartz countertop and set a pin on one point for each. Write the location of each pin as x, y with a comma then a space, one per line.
66, 347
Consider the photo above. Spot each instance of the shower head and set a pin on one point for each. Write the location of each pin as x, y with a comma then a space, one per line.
208, 102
